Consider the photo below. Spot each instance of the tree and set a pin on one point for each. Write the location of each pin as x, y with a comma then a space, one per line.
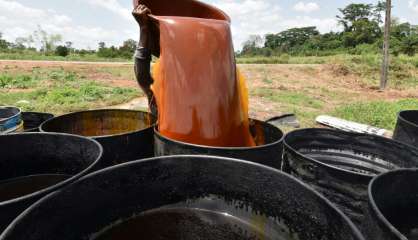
290, 38
361, 23
3, 43
378, 11
69, 44
128, 48
251, 45
102, 45
20, 43
353, 13
62, 51
47, 41
404, 38
24, 42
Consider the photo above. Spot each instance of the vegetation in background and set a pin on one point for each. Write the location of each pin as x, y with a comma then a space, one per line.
362, 34
381, 114
353, 51
59, 91
403, 70
23, 48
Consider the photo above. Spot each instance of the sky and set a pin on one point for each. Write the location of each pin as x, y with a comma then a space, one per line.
87, 22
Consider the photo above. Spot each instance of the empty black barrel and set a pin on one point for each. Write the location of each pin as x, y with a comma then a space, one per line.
188, 198
407, 127
33, 165
393, 201
32, 120
269, 140
125, 135
340, 165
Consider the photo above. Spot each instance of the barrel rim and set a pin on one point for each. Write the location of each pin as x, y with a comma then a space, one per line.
38, 113
159, 135
287, 147
19, 111
356, 232
372, 203
42, 126
203, 4
55, 187
400, 117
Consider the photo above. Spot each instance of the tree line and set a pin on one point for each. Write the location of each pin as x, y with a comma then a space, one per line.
53, 45
362, 33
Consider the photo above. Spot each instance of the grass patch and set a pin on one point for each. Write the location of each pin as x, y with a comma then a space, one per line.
59, 91
28, 55
125, 72
288, 98
381, 114
18, 81
66, 98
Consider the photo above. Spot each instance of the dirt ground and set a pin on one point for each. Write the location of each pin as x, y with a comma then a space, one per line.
325, 83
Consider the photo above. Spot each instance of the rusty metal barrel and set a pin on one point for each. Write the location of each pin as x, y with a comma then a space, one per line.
125, 135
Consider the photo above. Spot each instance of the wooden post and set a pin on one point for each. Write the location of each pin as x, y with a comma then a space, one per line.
385, 64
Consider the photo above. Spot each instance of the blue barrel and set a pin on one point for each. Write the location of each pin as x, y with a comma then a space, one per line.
10, 120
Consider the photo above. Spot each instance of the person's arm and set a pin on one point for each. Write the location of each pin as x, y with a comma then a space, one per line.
142, 55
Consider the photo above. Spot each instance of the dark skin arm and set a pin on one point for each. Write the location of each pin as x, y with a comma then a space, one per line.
146, 45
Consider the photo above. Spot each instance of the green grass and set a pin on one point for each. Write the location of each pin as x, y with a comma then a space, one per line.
73, 57
381, 114
284, 59
125, 72
59, 91
18, 81
292, 99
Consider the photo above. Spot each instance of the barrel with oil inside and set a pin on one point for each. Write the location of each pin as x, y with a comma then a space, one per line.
125, 135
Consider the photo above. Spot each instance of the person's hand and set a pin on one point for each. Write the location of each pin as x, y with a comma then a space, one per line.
140, 14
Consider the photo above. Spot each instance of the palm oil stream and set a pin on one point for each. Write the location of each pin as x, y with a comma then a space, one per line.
201, 96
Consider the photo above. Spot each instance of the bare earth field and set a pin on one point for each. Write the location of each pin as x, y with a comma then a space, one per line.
305, 89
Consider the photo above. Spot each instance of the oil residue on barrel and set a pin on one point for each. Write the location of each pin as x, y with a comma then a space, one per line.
184, 223
200, 94
19, 187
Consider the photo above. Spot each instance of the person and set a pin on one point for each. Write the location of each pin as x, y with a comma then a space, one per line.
148, 45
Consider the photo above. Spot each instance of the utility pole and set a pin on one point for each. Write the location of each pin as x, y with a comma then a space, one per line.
385, 64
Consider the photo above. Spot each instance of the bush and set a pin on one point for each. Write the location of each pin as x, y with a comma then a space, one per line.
62, 51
